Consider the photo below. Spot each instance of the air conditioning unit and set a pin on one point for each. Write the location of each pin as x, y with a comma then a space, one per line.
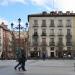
60, 12
68, 12
44, 13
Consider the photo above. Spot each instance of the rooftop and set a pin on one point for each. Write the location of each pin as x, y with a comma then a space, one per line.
53, 14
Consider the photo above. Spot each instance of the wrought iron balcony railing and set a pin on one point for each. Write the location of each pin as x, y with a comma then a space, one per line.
68, 43
35, 44
60, 44
43, 34
35, 25
52, 25
60, 34
43, 44
51, 43
35, 34
43, 26
60, 25
68, 25
68, 36
52, 34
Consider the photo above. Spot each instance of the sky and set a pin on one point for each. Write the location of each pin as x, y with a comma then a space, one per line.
11, 10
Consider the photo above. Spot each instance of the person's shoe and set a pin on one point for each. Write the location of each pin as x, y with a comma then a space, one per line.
19, 68
15, 68
24, 70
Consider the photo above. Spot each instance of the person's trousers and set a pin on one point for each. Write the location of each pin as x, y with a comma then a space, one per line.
17, 64
22, 66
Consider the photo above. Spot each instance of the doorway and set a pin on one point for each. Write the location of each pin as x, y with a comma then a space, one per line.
52, 54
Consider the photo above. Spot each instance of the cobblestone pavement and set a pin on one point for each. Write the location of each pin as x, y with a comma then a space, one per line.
39, 67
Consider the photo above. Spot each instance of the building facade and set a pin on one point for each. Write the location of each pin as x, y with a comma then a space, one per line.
52, 34
6, 42
1, 40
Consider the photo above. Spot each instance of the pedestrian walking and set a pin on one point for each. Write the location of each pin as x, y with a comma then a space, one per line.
19, 58
23, 60
44, 55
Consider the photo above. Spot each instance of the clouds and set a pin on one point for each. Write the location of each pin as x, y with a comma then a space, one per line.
7, 2
3, 20
62, 5
47, 4
66, 5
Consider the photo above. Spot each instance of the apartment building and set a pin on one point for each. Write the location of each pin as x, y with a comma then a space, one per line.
1, 40
5, 42
52, 34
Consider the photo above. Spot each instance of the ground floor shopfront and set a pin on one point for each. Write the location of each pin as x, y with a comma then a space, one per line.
56, 53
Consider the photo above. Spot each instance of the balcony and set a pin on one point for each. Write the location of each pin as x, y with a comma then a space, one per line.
52, 25
60, 44
35, 25
69, 36
68, 25
43, 44
60, 34
35, 35
35, 44
52, 34
60, 25
43, 34
43, 25
68, 43
51, 43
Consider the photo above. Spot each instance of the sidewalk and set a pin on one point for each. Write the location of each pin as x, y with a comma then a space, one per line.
39, 67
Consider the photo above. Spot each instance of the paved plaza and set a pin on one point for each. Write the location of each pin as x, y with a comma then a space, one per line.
39, 67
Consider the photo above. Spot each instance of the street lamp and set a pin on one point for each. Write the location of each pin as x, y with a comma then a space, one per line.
19, 20
12, 38
26, 40
19, 27
12, 26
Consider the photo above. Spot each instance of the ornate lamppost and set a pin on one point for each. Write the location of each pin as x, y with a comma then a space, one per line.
13, 41
19, 27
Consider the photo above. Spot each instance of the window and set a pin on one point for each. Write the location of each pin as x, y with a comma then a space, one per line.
60, 39
43, 31
68, 48
60, 32
68, 31
35, 40
35, 30
43, 22
52, 48
44, 42
43, 39
52, 39
51, 31
52, 23
35, 48
35, 22
68, 39
60, 23
68, 24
